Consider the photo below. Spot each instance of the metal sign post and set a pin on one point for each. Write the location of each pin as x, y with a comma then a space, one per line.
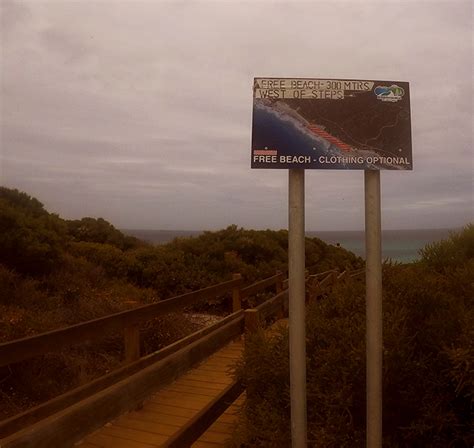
296, 277
333, 124
373, 279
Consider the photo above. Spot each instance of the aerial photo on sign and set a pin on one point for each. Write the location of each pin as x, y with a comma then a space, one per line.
331, 124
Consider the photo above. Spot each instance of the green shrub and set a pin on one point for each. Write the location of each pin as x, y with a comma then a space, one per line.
428, 357
31, 241
92, 230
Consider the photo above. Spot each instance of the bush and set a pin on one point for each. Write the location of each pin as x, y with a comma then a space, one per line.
30, 241
428, 358
100, 231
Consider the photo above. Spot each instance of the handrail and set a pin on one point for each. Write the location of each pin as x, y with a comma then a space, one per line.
261, 285
55, 340
322, 274
21, 349
273, 305
357, 272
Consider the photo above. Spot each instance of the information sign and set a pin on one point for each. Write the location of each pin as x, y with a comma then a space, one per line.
312, 123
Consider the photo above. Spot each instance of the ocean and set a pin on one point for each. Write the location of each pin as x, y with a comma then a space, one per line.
398, 245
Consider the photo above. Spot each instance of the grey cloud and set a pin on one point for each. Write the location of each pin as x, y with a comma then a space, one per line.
140, 112
72, 49
12, 15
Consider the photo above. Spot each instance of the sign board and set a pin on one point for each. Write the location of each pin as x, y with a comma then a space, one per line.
331, 124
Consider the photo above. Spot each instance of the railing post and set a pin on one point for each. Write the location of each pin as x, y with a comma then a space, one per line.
252, 321
132, 343
236, 298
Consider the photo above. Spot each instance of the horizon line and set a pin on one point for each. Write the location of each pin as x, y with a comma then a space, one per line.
276, 230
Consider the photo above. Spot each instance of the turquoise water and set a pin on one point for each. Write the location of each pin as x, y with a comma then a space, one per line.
398, 245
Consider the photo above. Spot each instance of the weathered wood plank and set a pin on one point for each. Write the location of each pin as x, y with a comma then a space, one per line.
200, 383
189, 433
191, 390
107, 441
145, 425
185, 402
224, 428
214, 437
176, 411
204, 445
134, 435
204, 377
87, 445
149, 415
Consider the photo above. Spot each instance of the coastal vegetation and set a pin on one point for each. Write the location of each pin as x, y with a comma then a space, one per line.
428, 352
56, 272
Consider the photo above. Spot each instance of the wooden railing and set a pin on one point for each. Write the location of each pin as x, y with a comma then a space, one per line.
254, 319
127, 322
81, 410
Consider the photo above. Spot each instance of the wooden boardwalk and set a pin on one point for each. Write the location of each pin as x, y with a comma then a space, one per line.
178, 412
166, 411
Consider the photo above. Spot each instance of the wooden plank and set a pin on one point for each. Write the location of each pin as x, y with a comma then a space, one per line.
134, 435
174, 395
203, 377
170, 410
87, 445
222, 427
200, 383
73, 423
228, 418
237, 349
31, 416
214, 437
205, 445
211, 371
184, 402
218, 362
224, 358
225, 424
107, 441
191, 390
20, 349
145, 425
216, 367
205, 417
152, 416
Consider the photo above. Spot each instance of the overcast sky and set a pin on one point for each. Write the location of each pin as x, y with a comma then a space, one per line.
140, 111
